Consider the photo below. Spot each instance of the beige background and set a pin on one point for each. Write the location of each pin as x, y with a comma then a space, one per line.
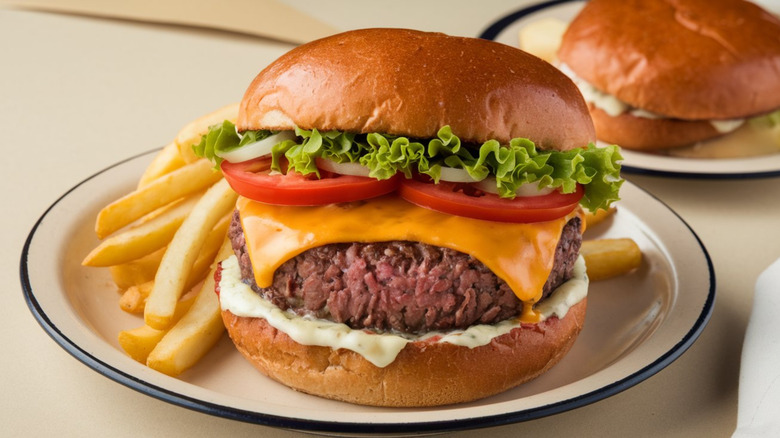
80, 93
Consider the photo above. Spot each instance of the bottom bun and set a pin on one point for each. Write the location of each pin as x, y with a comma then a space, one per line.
642, 133
425, 373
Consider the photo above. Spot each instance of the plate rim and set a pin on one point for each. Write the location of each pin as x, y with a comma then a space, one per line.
320, 426
494, 29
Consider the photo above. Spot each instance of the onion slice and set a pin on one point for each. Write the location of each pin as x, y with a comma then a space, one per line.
257, 149
489, 185
348, 168
456, 175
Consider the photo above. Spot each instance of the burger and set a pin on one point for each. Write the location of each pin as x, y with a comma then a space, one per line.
409, 218
660, 75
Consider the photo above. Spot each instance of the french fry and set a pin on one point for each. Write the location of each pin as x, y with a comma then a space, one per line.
196, 332
181, 182
140, 341
193, 131
138, 271
177, 262
543, 37
594, 218
141, 240
607, 258
207, 253
166, 161
134, 299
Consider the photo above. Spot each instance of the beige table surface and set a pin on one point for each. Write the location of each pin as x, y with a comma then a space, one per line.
78, 94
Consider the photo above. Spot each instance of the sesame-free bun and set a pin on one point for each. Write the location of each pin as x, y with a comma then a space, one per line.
412, 83
684, 59
647, 134
423, 373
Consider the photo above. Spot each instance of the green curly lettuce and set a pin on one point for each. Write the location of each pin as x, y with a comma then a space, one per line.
771, 120
597, 169
223, 138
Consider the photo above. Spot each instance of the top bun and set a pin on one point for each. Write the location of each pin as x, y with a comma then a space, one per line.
411, 83
687, 59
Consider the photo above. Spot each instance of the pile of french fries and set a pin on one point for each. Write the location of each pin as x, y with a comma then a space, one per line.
162, 243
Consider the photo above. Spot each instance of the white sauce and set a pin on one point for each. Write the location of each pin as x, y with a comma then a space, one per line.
379, 349
725, 126
615, 107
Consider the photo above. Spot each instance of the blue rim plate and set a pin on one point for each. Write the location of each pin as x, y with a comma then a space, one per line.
506, 30
627, 337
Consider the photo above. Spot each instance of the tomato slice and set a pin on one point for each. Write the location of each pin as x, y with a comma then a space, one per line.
461, 200
252, 179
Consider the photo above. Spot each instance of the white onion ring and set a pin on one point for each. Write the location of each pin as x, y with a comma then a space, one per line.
489, 185
348, 168
456, 175
257, 149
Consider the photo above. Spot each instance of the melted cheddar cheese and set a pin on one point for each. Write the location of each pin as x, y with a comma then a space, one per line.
520, 254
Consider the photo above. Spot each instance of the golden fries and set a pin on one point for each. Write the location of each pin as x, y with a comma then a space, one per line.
182, 182
142, 239
191, 134
166, 161
140, 341
177, 262
196, 332
594, 218
207, 253
138, 271
607, 258
176, 224
133, 299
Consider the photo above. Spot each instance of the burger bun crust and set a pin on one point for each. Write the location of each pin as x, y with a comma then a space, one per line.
691, 59
646, 134
411, 83
423, 374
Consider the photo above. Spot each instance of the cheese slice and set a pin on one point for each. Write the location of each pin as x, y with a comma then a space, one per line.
520, 254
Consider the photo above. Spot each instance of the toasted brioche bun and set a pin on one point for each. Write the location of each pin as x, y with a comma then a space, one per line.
642, 133
684, 59
411, 83
423, 374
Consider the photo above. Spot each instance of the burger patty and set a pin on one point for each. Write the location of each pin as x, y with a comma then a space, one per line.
408, 287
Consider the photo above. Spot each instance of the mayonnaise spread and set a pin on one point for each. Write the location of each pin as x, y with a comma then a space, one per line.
615, 107
380, 349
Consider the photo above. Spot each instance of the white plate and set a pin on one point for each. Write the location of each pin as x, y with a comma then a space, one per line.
506, 30
636, 325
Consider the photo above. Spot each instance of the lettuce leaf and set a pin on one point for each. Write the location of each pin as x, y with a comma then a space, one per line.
224, 138
770, 120
515, 164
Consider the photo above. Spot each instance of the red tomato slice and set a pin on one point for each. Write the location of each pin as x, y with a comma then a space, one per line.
452, 199
251, 179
